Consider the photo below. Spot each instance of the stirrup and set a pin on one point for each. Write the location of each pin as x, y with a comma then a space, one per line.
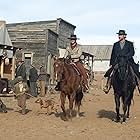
106, 89
84, 88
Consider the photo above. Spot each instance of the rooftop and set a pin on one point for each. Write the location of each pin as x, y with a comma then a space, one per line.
100, 52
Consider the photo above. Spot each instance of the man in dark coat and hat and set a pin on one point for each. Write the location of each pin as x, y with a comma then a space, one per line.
21, 70
122, 48
33, 76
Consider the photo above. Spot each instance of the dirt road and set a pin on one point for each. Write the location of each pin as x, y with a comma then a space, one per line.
95, 123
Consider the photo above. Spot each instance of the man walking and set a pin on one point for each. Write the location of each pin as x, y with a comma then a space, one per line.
21, 70
33, 76
20, 90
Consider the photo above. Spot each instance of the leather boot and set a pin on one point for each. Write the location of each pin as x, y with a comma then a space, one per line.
107, 86
57, 88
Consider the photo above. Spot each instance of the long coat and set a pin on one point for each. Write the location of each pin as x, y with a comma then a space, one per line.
33, 76
75, 53
127, 51
21, 71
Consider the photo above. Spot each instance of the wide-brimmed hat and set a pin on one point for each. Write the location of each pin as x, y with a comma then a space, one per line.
19, 78
20, 60
73, 37
121, 32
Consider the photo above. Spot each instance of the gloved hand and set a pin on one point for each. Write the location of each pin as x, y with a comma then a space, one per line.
69, 57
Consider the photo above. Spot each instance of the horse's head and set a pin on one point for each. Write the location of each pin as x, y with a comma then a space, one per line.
58, 69
122, 68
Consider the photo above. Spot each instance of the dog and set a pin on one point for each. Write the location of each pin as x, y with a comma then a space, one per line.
49, 104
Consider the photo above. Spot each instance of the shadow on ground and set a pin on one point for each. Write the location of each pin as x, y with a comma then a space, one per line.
106, 114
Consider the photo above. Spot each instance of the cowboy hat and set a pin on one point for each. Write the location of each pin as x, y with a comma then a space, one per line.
73, 37
20, 60
19, 78
121, 32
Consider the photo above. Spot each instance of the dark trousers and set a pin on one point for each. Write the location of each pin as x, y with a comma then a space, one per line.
33, 88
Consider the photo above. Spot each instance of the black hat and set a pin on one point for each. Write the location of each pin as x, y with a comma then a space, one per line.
20, 78
20, 60
121, 32
73, 37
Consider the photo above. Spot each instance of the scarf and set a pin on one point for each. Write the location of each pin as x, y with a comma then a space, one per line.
73, 45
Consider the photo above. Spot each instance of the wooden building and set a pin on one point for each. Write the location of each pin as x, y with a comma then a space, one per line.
102, 54
40, 41
40, 38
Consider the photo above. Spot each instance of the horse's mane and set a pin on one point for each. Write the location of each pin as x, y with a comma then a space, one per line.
67, 65
69, 68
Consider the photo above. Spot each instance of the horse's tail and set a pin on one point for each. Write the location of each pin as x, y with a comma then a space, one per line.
79, 96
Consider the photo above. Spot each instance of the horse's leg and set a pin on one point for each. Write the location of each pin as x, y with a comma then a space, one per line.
78, 100
128, 109
117, 101
63, 99
78, 109
129, 104
71, 100
124, 111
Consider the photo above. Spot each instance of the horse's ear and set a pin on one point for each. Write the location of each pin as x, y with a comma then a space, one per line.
55, 58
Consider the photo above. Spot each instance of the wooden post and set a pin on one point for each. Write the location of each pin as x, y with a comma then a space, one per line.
13, 67
92, 63
13, 64
2, 68
88, 59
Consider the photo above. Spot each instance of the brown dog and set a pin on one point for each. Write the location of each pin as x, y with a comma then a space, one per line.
47, 103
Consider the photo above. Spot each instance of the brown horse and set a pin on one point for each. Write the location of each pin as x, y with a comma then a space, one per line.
70, 85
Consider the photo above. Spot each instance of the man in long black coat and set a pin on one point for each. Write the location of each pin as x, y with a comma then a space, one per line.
33, 76
122, 48
21, 70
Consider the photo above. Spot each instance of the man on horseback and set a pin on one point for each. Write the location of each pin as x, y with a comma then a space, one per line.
122, 48
73, 53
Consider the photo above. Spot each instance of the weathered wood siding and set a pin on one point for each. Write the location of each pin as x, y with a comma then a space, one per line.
59, 26
65, 30
38, 43
40, 38
52, 42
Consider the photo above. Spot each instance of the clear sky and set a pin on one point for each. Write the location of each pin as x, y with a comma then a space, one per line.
97, 21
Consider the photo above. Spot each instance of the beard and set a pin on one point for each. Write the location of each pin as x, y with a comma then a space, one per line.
73, 44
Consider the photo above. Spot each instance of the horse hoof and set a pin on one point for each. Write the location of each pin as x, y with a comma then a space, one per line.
116, 120
65, 119
123, 120
77, 116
